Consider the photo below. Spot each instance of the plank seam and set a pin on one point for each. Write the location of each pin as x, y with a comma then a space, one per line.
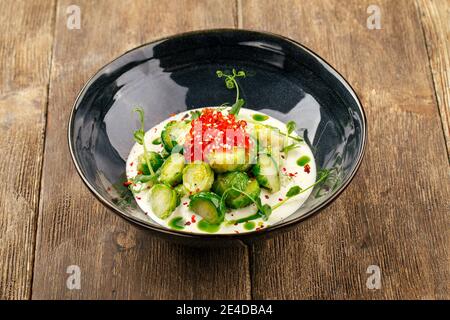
40, 204
433, 79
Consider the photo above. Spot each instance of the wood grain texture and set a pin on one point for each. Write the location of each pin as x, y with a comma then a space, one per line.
118, 261
435, 17
25, 47
395, 214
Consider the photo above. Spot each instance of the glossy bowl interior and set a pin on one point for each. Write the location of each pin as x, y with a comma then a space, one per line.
285, 80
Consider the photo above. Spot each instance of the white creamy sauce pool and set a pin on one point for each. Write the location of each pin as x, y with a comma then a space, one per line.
291, 174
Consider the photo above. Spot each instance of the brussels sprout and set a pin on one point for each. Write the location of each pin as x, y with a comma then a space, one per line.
266, 173
269, 136
172, 169
181, 190
174, 134
236, 159
239, 180
208, 205
164, 200
225, 181
155, 161
252, 189
198, 177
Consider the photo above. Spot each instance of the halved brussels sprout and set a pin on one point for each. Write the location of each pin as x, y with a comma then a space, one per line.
239, 180
267, 173
181, 190
225, 181
155, 161
252, 189
164, 200
198, 177
236, 159
269, 136
208, 206
172, 169
174, 134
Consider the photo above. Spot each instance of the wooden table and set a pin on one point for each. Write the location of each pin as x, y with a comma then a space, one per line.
394, 215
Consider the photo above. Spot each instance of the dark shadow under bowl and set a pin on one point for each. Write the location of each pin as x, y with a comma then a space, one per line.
285, 80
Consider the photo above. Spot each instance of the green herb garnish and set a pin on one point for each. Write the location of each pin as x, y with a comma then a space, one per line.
296, 190
139, 136
290, 147
231, 83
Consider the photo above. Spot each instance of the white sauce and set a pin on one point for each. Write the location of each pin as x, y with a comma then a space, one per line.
287, 166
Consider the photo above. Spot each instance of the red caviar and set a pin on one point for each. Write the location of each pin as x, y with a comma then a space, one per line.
213, 130
307, 168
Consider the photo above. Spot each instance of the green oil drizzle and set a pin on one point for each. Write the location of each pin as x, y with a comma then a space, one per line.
156, 141
303, 160
260, 117
176, 223
208, 227
246, 219
249, 225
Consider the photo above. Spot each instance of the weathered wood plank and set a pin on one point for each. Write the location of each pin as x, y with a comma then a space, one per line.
25, 48
435, 17
116, 259
395, 213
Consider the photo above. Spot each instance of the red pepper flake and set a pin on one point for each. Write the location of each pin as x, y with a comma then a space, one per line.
266, 196
290, 174
139, 172
172, 114
284, 169
307, 168
108, 189
139, 198
127, 183
131, 164
236, 224
236, 231
185, 203
282, 157
280, 199
193, 219
188, 223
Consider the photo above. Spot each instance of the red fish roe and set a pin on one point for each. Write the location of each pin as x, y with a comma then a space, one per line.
193, 219
215, 131
307, 168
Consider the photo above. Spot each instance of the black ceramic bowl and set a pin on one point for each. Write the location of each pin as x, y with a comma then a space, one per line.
285, 80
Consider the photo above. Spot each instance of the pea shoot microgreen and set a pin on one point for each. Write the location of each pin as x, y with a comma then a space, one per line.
231, 83
139, 136
296, 190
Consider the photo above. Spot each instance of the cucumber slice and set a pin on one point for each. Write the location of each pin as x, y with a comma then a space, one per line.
155, 160
164, 200
208, 206
198, 177
174, 134
267, 173
236, 159
172, 170
241, 201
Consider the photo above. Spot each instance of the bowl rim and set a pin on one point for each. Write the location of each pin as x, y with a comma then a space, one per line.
235, 236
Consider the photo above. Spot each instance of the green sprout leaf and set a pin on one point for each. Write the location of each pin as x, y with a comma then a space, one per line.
139, 136
231, 83
291, 126
293, 191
